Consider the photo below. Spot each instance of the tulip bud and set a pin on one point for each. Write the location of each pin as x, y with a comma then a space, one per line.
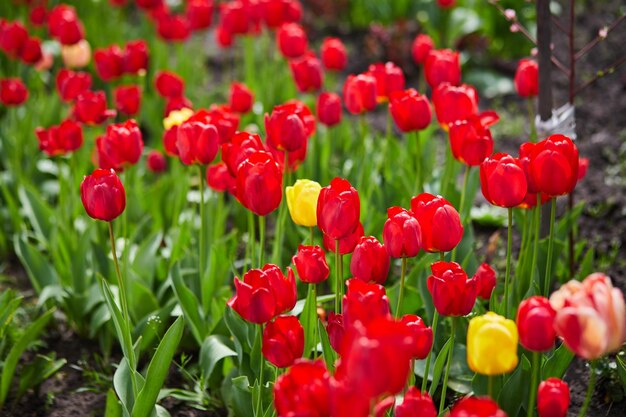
239, 149
241, 98
329, 109
289, 126
197, 142
307, 72
109, 62
303, 390
219, 178
156, 161
553, 398
71, 84
370, 261
476, 407
135, 59
364, 302
13, 92
259, 183
421, 47
338, 209
120, 147
402, 233
76, 56
439, 221
310, 262
410, 110
470, 139
90, 108
422, 334
492, 344
442, 66
103, 195
535, 322
452, 292
454, 103
127, 99
302, 202
283, 341
346, 243
292, 40
502, 180
527, 78
486, 278
554, 165
416, 403
61, 139
359, 93
335, 330
389, 79
334, 55
169, 85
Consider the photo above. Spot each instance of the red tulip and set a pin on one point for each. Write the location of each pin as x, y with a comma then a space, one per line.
439, 221
402, 233
61, 139
156, 161
334, 55
527, 78
453, 293
199, 13
13, 36
416, 403
226, 121
149, 5
103, 195
359, 93
264, 294
90, 107
442, 66
476, 407
127, 99
277, 12
234, 20
446, 4
109, 62
535, 323
135, 58
410, 110
13, 92
31, 51
421, 47
553, 398
219, 178
338, 209
583, 165
259, 183
38, 15
169, 85
120, 146
173, 28
364, 302
328, 108
370, 261
554, 165
176, 103
303, 390
503, 181
470, 139
170, 136
346, 243
335, 330
292, 40
310, 262
64, 25
306, 71
71, 84
421, 333
241, 98
197, 142
486, 278
239, 149
283, 341
289, 126
454, 103
389, 79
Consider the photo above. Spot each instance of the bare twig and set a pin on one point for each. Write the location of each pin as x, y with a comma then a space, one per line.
607, 71
559, 25
601, 36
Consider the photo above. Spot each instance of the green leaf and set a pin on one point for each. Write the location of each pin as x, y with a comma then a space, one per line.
38, 213
123, 385
10, 363
330, 357
213, 350
113, 407
34, 373
241, 399
621, 368
557, 364
158, 370
439, 364
309, 321
515, 391
39, 271
121, 325
145, 261
190, 306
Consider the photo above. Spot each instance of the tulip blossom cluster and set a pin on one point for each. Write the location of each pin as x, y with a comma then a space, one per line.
112, 62
13, 92
16, 43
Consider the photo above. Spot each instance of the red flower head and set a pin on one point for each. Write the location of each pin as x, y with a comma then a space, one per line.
410, 110
527, 78
219, 179
346, 243
109, 62
38, 15
503, 181
13, 92
421, 47
306, 71
416, 403
127, 99
173, 28
439, 221
583, 165
335, 330
277, 12
334, 55
226, 121
470, 139
170, 136
169, 85
310, 262
31, 51
338, 209
70, 84
389, 79
90, 107
241, 98
156, 161
61, 139
535, 323
486, 278
239, 149
234, 20
135, 59
422, 334
402, 233
442, 66
446, 4
553, 398
359, 93
103, 195
370, 261
453, 293
199, 13
364, 302
283, 341
13, 36
554, 165
197, 142
303, 390
176, 103
454, 103
120, 146
264, 294
259, 183
289, 126
329, 108
64, 25
292, 40
476, 407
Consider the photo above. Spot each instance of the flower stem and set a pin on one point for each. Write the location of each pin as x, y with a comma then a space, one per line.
547, 277
430, 354
509, 247
418, 162
259, 403
202, 226
464, 192
261, 240
251, 238
490, 386
442, 401
590, 388
533, 384
120, 280
311, 236
531, 120
337, 279
537, 227
401, 296
442, 256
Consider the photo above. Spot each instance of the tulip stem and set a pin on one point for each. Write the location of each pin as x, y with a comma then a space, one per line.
442, 256
509, 247
530, 412
259, 403
546, 278
120, 281
590, 388
311, 236
430, 353
202, 225
442, 401
490, 386
401, 295
531, 120
337, 279
418, 162
261, 240
464, 192
537, 227
251, 237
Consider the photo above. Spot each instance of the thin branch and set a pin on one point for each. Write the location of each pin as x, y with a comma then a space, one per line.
602, 73
560, 65
599, 38
514, 21
559, 25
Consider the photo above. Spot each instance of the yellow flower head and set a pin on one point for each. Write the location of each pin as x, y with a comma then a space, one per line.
492, 344
302, 202
177, 117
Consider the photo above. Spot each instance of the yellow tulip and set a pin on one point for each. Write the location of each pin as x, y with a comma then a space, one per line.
492, 344
177, 117
302, 202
